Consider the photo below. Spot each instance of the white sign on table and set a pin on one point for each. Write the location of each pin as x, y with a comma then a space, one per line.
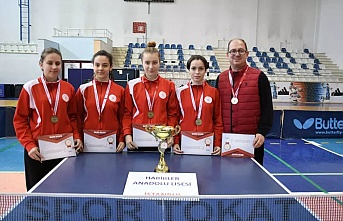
197, 143
238, 145
161, 184
100, 141
56, 146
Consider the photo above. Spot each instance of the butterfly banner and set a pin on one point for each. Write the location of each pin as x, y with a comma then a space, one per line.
312, 124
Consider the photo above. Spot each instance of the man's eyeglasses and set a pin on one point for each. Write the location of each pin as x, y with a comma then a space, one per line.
239, 51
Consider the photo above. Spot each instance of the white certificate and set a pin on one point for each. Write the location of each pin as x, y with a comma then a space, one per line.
238, 145
142, 138
56, 146
197, 143
99, 141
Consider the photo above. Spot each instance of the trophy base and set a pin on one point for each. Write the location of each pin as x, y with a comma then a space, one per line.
163, 172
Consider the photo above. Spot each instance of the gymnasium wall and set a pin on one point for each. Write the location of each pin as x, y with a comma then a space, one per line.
294, 24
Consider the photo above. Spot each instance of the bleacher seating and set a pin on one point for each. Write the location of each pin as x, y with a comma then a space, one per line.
279, 65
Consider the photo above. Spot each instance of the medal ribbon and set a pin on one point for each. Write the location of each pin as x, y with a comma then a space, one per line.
235, 93
193, 101
97, 98
54, 110
150, 104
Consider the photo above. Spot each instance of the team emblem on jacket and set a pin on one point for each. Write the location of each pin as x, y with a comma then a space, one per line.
208, 99
65, 97
162, 94
112, 98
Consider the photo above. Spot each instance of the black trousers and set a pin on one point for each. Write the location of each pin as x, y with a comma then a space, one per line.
35, 170
259, 154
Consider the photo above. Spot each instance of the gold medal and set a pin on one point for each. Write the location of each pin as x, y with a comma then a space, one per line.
54, 119
198, 122
151, 114
234, 100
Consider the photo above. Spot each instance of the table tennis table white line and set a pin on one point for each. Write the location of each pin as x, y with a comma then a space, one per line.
243, 196
321, 147
276, 180
307, 174
47, 175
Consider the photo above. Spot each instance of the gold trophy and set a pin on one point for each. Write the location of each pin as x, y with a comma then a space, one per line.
162, 133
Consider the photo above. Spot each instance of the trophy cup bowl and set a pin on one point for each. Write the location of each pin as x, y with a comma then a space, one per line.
161, 134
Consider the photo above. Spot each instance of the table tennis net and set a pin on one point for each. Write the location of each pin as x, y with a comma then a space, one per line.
109, 207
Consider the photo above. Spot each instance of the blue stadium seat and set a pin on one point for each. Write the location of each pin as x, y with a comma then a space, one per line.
169, 68
316, 61
316, 72
160, 46
316, 66
262, 60
137, 45
280, 59
173, 46
274, 59
191, 47
311, 55
268, 59
133, 66
213, 58
279, 65
167, 46
217, 70
306, 50
179, 46
180, 51
276, 54
143, 45
271, 49
266, 65
209, 47
249, 59
270, 71
304, 66
253, 64
264, 54
255, 49
140, 67
283, 50
288, 55
258, 54
292, 60
285, 66
130, 45
290, 71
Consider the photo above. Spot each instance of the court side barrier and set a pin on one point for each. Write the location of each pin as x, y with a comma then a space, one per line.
275, 131
113, 207
6, 119
312, 124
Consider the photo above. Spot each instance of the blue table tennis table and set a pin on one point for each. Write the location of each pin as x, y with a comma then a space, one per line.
90, 187
101, 173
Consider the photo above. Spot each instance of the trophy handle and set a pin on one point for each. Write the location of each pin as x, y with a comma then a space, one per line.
177, 129
149, 129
